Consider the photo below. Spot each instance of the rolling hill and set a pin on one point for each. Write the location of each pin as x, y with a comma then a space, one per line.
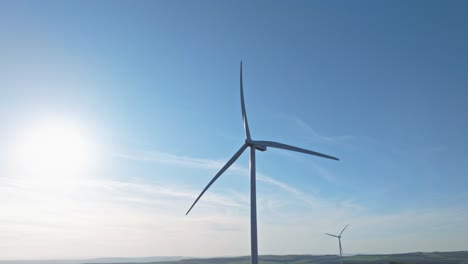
458, 257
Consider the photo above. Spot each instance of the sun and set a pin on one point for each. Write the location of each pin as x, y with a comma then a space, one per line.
54, 149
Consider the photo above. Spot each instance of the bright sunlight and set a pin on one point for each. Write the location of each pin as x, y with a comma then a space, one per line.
54, 150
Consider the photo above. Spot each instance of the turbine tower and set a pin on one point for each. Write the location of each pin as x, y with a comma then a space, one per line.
253, 145
339, 242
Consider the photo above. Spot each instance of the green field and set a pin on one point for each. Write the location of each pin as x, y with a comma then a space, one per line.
459, 257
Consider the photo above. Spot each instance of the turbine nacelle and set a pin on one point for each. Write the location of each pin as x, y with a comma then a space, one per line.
260, 147
252, 143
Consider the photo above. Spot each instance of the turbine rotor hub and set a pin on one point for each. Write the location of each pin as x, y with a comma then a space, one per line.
254, 144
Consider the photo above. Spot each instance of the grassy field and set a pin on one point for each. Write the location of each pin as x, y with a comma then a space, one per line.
459, 257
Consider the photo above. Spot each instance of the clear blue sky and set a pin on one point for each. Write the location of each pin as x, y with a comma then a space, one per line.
382, 85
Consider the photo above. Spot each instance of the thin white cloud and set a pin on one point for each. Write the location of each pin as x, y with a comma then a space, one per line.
190, 162
99, 217
312, 133
167, 158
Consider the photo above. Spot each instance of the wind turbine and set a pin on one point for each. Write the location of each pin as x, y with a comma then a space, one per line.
253, 145
339, 242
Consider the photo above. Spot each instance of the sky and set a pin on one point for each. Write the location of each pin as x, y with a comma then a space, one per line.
114, 115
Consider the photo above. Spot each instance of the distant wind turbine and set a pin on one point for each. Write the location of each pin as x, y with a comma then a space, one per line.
253, 145
339, 242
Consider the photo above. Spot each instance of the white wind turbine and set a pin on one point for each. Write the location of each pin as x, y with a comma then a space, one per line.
339, 242
253, 145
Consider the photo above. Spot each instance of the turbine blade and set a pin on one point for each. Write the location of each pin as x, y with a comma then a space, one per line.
244, 114
344, 229
223, 169
288, 147
330, 235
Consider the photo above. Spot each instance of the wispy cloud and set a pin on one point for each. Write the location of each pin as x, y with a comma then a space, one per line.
312, 133
102, 211
96, 214
191, 162
167, 158
327, 215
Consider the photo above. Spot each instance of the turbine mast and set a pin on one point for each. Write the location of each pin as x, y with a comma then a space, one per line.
341, 250
253, 208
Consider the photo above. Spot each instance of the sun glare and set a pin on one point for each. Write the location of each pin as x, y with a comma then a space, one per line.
53, 150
